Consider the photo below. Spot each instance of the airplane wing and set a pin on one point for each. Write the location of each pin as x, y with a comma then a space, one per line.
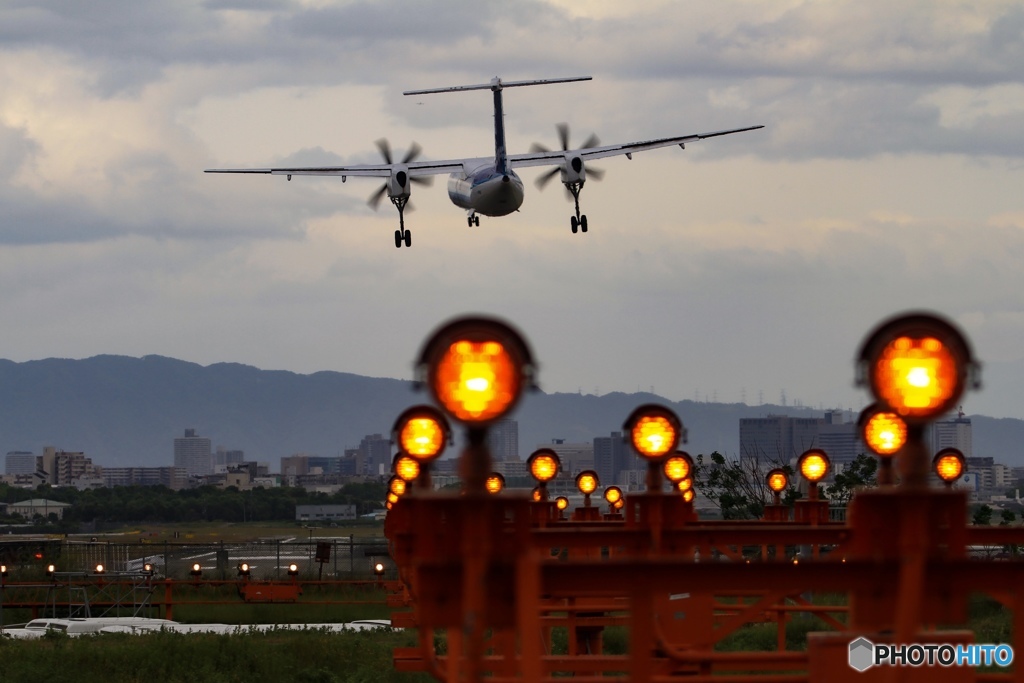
415, 168
554, 157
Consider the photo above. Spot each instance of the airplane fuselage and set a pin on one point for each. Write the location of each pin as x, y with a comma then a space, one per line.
486, 191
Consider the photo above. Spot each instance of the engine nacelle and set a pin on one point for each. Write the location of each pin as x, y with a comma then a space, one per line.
573, 171
398, 182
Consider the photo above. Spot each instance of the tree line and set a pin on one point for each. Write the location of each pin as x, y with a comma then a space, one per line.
131, 504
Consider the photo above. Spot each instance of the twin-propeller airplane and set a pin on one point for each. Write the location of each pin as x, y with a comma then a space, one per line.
486, 185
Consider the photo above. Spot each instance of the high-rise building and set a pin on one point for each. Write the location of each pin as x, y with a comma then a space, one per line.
503, 440
20, 462
611, 456
225, 456
955, 433
777, 438
62, 468
376, 454
193, 454
575, 457
839, 439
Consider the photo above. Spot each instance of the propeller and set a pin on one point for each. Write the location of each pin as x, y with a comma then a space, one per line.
402, 175
563, 138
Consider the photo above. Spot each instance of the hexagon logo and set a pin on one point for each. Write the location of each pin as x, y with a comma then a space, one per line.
862, 654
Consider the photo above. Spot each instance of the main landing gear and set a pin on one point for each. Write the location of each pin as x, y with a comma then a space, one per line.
401, 235
576, 222
473, 219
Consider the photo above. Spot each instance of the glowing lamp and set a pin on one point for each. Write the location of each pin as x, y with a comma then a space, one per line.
422, 432
392, 498
587, 482
678, 467
688, 496
495, 483
949, 464
561, 502
51, 569
397, 486
544, 465
884, 432
917, 366
537, 494
406, 468
684, 485
197, 569
100, 569
619, 504
378, 569
293, 569
813, 465
476, 368
777, 480
244, 569
3, 570
654, 431
613, 494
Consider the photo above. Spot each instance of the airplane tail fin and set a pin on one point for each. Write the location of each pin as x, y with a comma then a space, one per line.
496, 86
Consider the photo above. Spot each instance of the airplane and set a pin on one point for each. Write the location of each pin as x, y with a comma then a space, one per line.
487, 186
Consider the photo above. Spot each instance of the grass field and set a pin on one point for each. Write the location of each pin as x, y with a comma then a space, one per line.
278, 656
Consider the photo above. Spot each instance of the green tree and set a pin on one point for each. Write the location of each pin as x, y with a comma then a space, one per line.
738, 487
982, 516
861, 473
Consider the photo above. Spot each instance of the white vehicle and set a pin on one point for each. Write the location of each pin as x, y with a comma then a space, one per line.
77, 626
486, 186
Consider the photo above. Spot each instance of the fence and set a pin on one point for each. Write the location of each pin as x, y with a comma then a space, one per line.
340, 558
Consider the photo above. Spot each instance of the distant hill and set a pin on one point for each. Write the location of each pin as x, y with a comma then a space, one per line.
125, 411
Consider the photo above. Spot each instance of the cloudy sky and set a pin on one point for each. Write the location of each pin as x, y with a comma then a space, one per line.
890, 175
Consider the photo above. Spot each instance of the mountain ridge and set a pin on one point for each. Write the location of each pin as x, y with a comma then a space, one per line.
126, 411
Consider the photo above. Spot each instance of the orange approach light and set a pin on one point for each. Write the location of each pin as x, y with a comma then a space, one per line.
884, 432
495, 483
536, 495
407, 468
544, 465
688, 496
678, 467
587, 482
561, 502
777, 480
397, 486
612, 495
654, 431
422, 432
477, 368
949, 464
917, 366
684, 485
813, 465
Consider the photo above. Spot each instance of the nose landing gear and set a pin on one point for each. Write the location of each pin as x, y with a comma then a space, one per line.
401, 235
578, 221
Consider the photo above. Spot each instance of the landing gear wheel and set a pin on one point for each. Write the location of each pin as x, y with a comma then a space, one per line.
408, 238
398, 238
574, 224
583, 223
469, 221
476, 221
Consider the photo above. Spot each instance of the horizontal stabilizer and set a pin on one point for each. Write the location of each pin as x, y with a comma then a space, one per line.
497, 84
